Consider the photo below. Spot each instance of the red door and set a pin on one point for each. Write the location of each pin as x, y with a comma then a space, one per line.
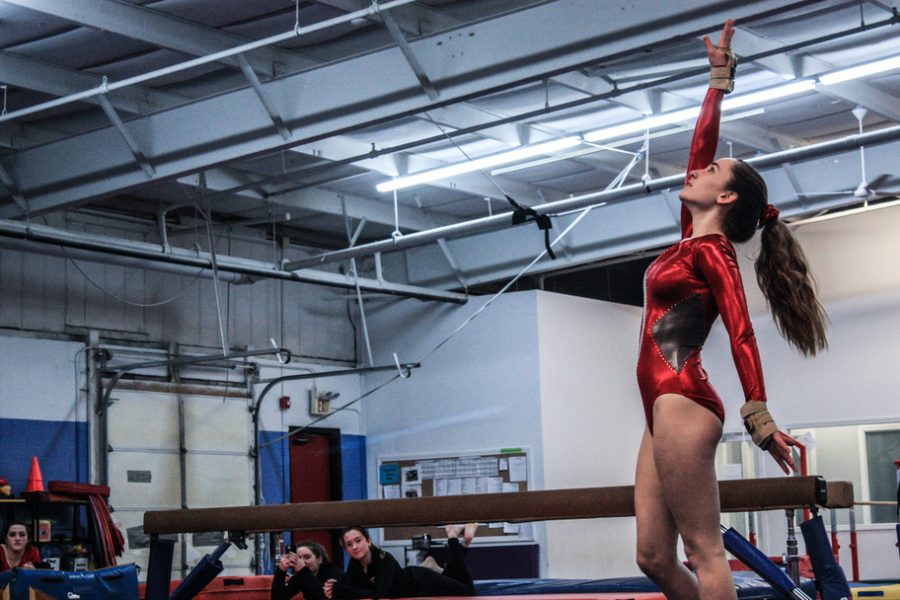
313, 457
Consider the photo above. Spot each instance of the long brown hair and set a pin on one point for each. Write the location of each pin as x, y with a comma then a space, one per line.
781, 268
316, 548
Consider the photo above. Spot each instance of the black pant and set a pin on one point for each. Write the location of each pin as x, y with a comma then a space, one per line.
455, 581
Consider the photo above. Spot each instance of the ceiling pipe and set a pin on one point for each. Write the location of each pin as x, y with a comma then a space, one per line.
31, 237
501, 221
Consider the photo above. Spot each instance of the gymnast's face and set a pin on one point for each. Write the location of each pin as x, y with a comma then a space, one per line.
357, 545
708, 187
309, 559
17, 538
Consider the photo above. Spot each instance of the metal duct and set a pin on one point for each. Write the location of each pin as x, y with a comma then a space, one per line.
30, 237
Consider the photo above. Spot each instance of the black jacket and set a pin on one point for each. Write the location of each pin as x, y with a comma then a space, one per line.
304, 581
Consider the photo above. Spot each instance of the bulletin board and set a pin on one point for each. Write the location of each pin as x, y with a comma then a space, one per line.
493, 472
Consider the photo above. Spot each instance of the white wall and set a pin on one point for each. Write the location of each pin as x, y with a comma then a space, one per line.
272, 418
856, 380
592, 421
478, 392
40, 379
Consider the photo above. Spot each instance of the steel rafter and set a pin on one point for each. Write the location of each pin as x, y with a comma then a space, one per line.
467, 61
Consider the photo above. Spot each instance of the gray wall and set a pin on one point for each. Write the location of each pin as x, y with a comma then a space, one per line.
48, 294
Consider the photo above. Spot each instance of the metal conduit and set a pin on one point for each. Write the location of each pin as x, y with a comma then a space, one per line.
501, 221
31, 237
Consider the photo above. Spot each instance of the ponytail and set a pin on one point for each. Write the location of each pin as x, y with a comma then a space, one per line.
783, 275
781, 268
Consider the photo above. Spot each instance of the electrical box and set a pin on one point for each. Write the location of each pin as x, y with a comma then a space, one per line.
319, 404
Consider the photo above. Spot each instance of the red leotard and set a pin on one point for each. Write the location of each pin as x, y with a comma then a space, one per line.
685, 289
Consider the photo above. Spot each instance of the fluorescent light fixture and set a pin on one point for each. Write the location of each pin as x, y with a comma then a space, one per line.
843, 213
485, 162
615, 131
688, 114
623, 142
872, 68
773, 93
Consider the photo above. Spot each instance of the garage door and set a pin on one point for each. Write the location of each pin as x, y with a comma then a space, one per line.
149, 471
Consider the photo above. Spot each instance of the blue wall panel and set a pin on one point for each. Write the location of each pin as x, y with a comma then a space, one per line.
274, 467
60, 446
353, 464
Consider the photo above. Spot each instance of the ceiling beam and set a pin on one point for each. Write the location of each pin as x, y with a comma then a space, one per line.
359, 207
748, 42
413, 19
317, 199
316, 104
31, 74
157, 28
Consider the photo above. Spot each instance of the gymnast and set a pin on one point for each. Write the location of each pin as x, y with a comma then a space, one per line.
687, 286
374, 573
312, 569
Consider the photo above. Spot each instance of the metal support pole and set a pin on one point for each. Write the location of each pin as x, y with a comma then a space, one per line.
835, 545
793, 556
17, 196
116, 121
414, 64
854, 546
264, 98
159, 568
751, 529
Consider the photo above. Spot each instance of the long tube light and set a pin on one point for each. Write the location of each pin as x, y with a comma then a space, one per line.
479, 163
689, 114
793, 88
614, 131
622, 142
864, 70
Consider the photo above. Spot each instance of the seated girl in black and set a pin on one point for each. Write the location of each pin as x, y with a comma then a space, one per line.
311, 570
374, 573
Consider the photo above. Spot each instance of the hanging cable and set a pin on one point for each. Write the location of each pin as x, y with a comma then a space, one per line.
215, 267
520, 214
617, 182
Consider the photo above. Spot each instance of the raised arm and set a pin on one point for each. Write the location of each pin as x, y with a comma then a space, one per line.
706, 131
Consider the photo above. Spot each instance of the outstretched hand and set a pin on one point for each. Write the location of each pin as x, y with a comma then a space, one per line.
718, 55
780, 449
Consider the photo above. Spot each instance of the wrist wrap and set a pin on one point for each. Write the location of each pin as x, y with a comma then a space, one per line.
759, 423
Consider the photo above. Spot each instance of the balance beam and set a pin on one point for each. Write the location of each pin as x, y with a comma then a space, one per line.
543, 505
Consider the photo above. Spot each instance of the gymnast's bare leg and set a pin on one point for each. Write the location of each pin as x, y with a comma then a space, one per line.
676, 492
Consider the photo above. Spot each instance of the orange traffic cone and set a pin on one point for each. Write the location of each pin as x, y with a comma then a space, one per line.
35, 479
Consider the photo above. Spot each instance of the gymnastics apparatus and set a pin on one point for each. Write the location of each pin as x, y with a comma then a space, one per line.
787, 493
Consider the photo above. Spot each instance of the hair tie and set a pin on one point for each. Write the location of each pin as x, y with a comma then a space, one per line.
770, 213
